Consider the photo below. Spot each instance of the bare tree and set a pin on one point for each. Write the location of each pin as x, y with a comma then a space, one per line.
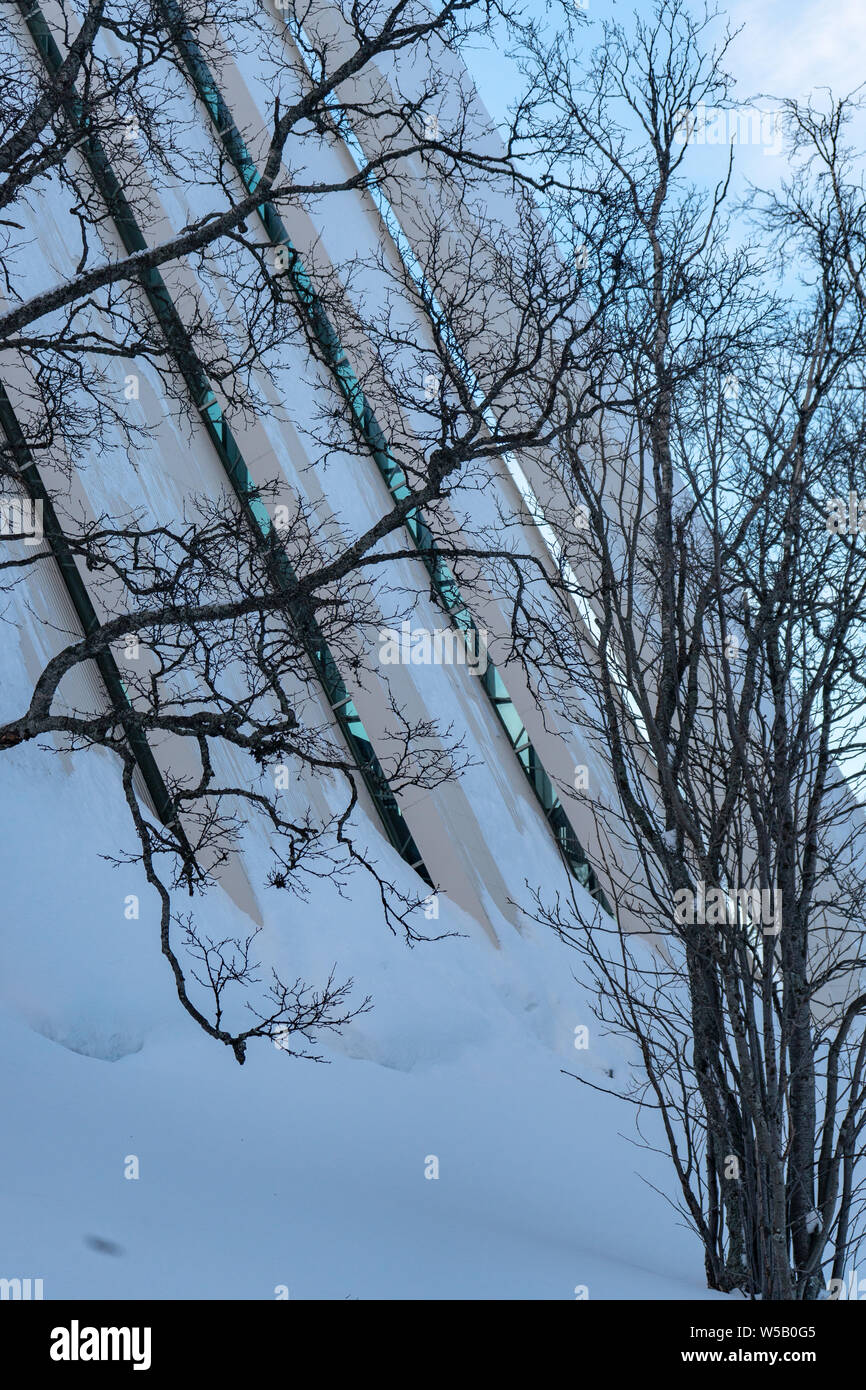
237, 617
714, 651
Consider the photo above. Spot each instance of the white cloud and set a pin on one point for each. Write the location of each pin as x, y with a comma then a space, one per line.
791, 49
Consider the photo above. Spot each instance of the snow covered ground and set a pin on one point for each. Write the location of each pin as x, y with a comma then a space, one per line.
284, 1174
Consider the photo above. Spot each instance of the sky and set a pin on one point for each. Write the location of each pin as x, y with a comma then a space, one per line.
792, 46
785, 48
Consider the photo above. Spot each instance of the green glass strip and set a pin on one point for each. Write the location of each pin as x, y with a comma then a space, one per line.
86, 614
441, 576
228, 451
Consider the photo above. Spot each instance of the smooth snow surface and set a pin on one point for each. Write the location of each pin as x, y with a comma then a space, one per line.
285, 1172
